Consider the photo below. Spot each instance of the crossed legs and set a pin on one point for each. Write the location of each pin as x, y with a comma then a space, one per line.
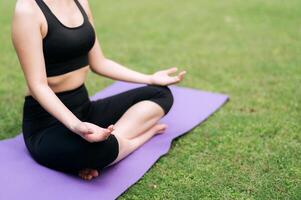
136, 126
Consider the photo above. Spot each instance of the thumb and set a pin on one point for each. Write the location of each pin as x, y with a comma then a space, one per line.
107, 132
111, 127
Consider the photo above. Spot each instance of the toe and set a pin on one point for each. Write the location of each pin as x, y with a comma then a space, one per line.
89, 177
88, 174
83, 172
94, 173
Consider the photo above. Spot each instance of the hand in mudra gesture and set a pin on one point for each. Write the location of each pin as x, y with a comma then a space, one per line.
163, 77
92, 132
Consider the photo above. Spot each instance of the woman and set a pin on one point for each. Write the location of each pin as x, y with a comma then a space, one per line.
56, 45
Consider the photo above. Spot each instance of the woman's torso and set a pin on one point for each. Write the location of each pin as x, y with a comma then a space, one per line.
74, 18
67, 81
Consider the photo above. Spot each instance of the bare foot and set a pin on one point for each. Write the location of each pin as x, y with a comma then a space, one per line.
88, 174
159, 128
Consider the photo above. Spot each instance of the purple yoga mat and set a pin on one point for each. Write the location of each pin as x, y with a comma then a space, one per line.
22, 178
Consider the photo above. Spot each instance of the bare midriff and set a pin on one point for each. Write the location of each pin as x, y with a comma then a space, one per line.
66, 81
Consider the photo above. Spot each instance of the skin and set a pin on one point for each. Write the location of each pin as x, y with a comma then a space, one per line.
137, 125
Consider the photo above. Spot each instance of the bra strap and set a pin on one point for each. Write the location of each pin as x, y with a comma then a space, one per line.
47, 13
82, 10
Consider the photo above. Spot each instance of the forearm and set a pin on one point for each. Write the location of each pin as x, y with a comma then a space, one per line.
116, 71
52, 104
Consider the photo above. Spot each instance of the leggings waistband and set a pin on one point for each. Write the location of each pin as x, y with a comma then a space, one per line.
72, 99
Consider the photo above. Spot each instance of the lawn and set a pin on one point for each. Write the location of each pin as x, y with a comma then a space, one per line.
250, 50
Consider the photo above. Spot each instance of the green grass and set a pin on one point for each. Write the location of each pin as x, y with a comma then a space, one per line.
250, 50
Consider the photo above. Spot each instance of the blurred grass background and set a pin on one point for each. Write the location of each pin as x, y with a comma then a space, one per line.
250, 50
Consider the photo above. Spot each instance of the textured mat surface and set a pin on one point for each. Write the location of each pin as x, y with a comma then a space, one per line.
22, 178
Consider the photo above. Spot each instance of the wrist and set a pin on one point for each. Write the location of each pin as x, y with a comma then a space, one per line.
150, 79
73, 125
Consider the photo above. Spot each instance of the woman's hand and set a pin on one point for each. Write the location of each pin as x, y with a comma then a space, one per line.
163, 77
92, 132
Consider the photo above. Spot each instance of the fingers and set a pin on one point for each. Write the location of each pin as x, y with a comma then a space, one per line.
171, 70
176, 79
181, 75
174, 69
111, 127
94, 133
108, 131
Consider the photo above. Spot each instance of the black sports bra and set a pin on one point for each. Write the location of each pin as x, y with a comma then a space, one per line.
66, 48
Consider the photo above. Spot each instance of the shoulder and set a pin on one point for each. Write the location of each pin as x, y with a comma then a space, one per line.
86, 7
26, 11
26, 19
25, 8
84, 3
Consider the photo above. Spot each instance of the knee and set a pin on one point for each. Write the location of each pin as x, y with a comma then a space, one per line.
165, 97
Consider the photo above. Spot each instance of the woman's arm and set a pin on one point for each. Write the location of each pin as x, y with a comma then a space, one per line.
113, 70
27, 40
101, 65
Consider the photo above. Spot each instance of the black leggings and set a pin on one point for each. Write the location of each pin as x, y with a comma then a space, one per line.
53, 145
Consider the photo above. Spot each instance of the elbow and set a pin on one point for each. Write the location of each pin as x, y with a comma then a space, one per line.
98, 66
34, 83
92, 68
35, 88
